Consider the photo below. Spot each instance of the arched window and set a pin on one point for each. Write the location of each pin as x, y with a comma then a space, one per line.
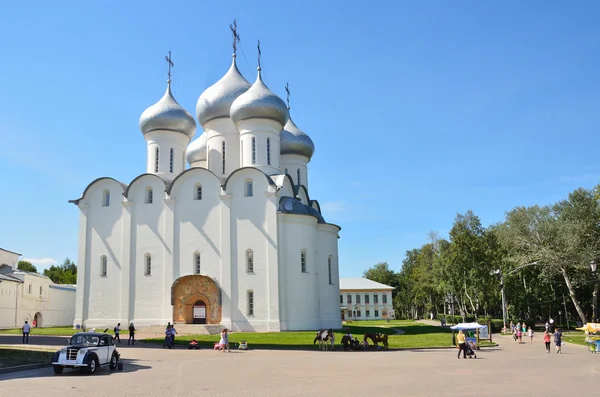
103, 266
269, 151
249, 188
196, 263
148, 265
156, 161
106, 198
303, 261
253, 150
250, 300
149, 195
171, 161
223, 147
298, 175
198, 192
249, 261
329, 270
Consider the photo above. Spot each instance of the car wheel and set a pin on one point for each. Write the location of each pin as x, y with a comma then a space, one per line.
92, 365
58, 369
113, 361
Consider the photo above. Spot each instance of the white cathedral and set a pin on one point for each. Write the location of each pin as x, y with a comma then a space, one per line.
233, 240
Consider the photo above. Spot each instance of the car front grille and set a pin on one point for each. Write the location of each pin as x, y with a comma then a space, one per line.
72, 353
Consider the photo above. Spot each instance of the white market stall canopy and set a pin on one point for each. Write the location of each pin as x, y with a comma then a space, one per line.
467, 326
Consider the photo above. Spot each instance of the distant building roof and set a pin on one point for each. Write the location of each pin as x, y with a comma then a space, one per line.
7, 277
361, 283
12, 252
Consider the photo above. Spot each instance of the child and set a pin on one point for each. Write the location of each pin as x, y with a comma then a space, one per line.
547, 341
530, 332
224, 342
520, 336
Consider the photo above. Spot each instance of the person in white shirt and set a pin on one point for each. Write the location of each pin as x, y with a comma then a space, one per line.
26, 329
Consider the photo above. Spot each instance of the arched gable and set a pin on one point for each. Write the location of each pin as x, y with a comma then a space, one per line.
165, 183
315, 204
196, 172
303, 195
93, 183
249, 171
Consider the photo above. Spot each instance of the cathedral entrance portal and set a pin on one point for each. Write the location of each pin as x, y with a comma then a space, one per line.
199, 312
196, 299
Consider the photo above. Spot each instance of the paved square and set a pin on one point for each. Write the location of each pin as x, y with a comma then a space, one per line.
511, 369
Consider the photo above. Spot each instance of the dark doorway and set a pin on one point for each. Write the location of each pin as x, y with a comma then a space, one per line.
199, 312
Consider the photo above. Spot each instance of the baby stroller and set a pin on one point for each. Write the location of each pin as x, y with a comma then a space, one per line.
470, 351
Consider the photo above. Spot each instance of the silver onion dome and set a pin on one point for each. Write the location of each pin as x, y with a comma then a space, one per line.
259, 102
197, 150
167, 114
216, 100
295, 141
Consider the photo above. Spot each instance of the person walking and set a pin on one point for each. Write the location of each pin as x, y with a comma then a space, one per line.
224, 342
117, 330
530, 333
547, 341
173, 333
26, 330
131, 334
462, 345
167, 341
558, 340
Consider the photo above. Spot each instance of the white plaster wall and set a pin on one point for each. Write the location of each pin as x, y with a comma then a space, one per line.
329, 309
293, 163
261, 130
253, 226
218, 131
199, 164
166, 140
148, 236
8, 302
97, 298
300, 290
56, 303
105, 240
9, 258
197, 225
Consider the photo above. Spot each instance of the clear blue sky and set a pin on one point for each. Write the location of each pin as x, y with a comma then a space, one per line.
418, 110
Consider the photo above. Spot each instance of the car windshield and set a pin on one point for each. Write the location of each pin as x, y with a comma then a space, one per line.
88, 340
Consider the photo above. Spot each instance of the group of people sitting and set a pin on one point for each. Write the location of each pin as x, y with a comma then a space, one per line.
352, 343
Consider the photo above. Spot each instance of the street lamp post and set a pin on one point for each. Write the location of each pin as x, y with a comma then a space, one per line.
594, 267
499, 273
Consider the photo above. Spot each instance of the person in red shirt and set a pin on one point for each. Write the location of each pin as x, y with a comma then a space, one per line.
547, 341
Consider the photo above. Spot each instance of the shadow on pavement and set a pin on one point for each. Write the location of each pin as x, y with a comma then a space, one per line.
128, 366
34, 340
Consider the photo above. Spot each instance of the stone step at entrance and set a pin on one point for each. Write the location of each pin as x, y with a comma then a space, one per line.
184, 329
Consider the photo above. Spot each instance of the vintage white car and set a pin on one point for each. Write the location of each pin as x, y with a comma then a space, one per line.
87, 351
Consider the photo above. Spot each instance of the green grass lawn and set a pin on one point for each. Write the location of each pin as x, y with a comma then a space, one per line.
10, 357
576, 337
55, 331
415, 335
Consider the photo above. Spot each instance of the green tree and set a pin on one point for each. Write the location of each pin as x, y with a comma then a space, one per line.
63, 274
26, 266
382, 273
